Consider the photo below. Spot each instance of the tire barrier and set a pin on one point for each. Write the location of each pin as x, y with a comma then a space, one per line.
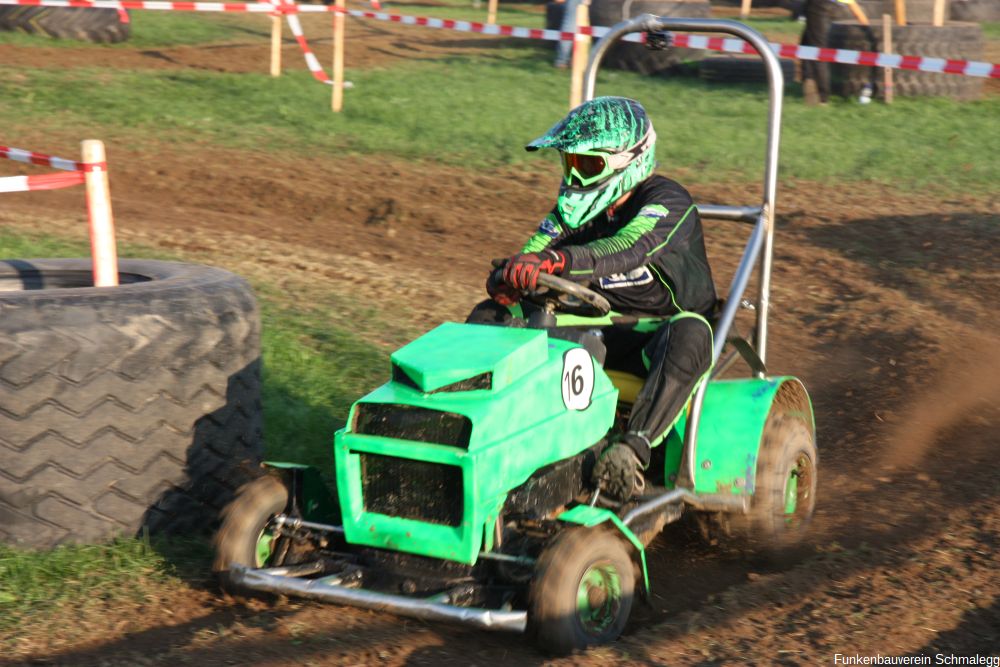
127, 407
740, 69
101, 26
975, 10
639, 58
953, 41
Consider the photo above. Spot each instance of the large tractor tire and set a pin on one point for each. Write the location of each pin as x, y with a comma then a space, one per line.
975, 10
103, 26
954, 40
741, 69
917, 11
123, 408
637, 57
873, 9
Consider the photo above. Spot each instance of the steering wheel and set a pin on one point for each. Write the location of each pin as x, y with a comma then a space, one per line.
569, 296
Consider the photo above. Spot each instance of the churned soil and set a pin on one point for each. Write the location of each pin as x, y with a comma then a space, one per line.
883, 304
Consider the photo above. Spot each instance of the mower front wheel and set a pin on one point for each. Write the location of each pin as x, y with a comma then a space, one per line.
582, 591
247, 535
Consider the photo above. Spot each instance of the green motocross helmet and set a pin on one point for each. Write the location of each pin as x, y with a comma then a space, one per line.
606, 146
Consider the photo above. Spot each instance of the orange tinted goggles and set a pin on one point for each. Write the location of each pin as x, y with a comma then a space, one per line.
585, 168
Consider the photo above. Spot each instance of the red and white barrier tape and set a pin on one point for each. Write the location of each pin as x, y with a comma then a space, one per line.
45, 181
41, 182
731, 45
285, 7
29, 157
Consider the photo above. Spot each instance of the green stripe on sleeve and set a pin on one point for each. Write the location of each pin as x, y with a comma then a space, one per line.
672, 231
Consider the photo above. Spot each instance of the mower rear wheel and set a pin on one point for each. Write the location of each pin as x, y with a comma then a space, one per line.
784, 498
247, 535
785, 494
582, 591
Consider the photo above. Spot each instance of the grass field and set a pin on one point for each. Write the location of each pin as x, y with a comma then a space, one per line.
499, 100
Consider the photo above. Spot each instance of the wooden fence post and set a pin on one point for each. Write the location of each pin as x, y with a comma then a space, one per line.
900, 12
938, 19
276, 45
102, 226
491, 12
581, 51
887, 47
337, 102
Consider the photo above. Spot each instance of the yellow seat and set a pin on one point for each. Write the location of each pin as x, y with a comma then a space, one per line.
628, 385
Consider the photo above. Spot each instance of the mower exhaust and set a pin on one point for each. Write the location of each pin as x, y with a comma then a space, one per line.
326, 591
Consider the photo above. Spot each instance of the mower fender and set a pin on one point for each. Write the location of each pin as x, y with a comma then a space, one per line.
732, 422
307, 492
588, 517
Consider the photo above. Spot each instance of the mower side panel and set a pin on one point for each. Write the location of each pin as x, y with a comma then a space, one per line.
732, 422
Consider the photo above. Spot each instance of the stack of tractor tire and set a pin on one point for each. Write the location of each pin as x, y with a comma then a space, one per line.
955, 40
630, 56
741, 69
123, 409
975, 10
103, 26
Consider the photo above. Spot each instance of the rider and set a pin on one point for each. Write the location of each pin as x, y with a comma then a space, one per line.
636, 239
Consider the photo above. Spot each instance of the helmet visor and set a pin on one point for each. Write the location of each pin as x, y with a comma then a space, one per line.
585, 168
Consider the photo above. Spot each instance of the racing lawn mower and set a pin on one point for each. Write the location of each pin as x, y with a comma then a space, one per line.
463, 485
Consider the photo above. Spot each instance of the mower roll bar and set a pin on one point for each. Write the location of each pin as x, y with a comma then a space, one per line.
762, 217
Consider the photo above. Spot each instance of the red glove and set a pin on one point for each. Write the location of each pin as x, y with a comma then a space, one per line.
522, 270
500, 291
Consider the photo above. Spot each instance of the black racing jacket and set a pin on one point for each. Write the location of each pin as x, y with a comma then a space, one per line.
647, 257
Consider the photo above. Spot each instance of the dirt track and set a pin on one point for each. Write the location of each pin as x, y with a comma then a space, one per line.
883, 305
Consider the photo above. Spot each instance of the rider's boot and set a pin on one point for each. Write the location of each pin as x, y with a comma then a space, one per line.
618, 472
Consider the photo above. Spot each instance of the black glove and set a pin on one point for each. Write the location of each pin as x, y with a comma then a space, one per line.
522, 270
499, 290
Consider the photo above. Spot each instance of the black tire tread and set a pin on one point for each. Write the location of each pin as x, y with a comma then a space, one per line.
102, 26
954, 40
128, 407
737, 69
975, 10
637, 57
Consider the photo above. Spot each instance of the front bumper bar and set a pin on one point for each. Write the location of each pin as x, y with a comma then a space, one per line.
318, 589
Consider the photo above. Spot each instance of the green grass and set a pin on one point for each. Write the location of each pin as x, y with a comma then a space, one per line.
72, 580
496, 102
991, 30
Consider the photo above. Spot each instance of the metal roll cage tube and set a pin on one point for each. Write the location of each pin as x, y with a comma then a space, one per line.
762, 236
